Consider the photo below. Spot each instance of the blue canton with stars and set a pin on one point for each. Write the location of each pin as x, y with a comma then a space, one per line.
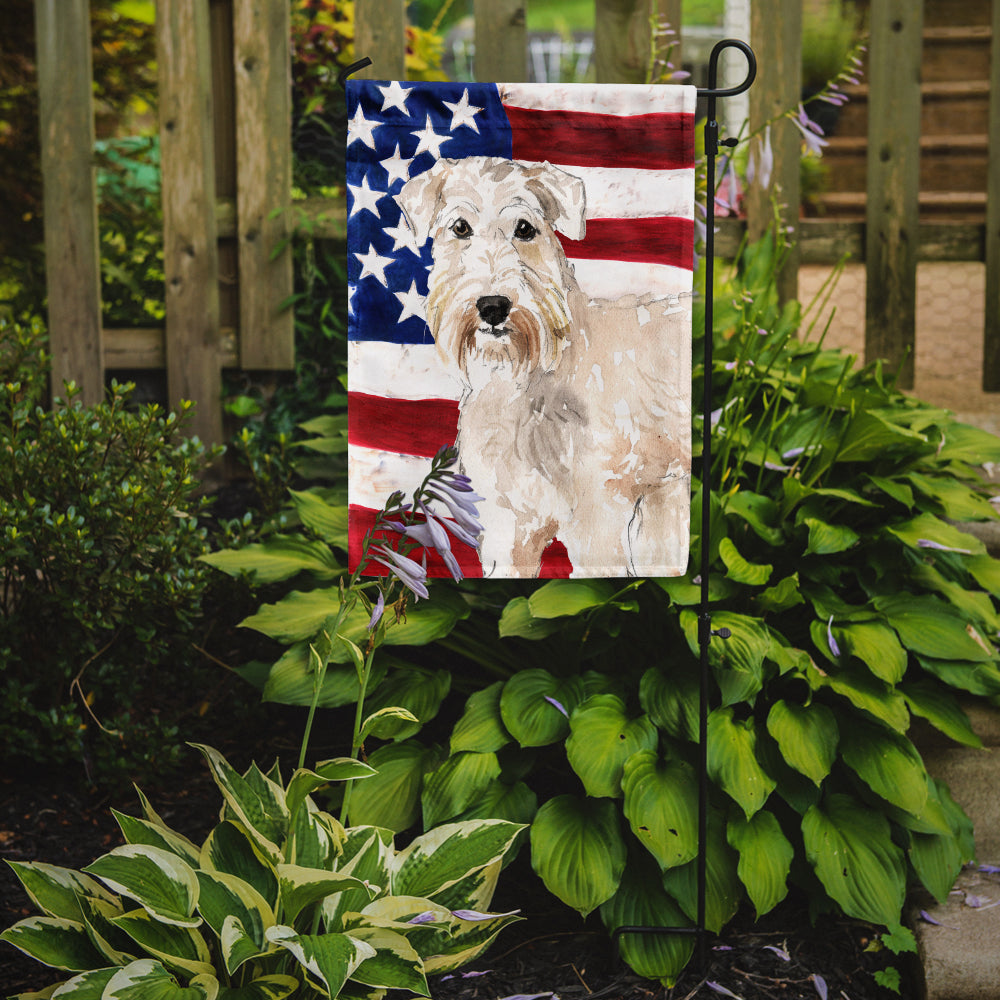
396, 131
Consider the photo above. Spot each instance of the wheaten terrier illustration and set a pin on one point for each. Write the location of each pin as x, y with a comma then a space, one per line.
575, 412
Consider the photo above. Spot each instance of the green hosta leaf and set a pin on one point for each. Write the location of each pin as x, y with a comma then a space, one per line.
391, 798
141, 831
850, 848
641, 901
671, 700
395, 964
54, 941
732, 760
957, 501
304, 782
937, 858
827, 539
973, 604
683, 592
932, 628
301, 887
418, 690
559, 598
866, 692
275, 987
230, 849
661, 798
386, 723
928, 528
530, 706
783, 595
765, 858
876, 646
870, 435
225, 897
965, 443
147, 979
330, 959
456, 784
740, 570
888, 763
976, 678
516, 803
738, 661
292, 680
438, 859
578, 851
807, 736
159, 881
481, 728
723, 889
56, 891
602, 738
986, 571
941, 709
517, 620
327, 520
758, 511
893, 488
260, 809
279, 558
180, 948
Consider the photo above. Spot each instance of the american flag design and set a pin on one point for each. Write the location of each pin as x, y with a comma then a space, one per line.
632, 149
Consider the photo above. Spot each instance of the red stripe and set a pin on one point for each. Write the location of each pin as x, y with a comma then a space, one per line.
652, 240
585, 139
405, 426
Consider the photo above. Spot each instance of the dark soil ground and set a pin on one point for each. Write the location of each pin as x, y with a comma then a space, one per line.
58, 820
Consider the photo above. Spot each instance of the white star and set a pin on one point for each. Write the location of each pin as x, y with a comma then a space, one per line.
351, 289
413, 303
463, 113
364, 197
361, 128
402, 237
430, 141
374, 264
397, 167
395, 97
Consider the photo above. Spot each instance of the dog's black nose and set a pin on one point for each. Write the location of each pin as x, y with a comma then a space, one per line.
494, 309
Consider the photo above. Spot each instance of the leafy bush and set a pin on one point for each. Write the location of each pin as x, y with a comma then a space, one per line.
99, 539
279, 899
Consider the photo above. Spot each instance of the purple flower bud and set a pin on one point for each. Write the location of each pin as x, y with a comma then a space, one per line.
411, 574
558, 705
377, 612
834, 648
475, 915
927, 543
820, 983
427, 917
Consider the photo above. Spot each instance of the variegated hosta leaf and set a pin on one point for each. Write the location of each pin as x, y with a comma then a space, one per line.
476, 890
441, 857
765, 858
807, 736
329, 959
602, 737
304, 782
732, 760
468, 939
661, 799
367, 853
256, 801
116, 946
395, 964
141, 831
86, 986
850, 847
55, 941
230, 849
456, 784
177, 947
481, 727
315, 838
642, 902
274, 987
300, 887
225, 897
147, 979
158, 880
578, 851
56, 891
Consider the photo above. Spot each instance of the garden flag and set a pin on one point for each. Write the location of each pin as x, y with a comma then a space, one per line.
520, 268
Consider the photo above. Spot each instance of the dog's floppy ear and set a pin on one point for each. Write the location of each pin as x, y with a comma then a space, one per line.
563, 198
420, 197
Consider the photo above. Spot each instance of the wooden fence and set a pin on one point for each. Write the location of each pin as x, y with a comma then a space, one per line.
226, 160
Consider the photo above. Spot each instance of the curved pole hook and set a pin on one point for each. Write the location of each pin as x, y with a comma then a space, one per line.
713, 69
352, 68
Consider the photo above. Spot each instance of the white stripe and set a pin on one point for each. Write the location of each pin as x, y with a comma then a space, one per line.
601, 98
374, 475
611, 279
398, 371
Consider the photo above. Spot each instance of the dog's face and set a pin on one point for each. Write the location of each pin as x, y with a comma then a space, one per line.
497, 297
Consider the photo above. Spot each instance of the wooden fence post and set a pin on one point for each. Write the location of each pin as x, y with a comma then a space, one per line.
262, 60
190, 251
776, 34
991, 332
72, 255
501, 38
893, 183
380, 34
621, 40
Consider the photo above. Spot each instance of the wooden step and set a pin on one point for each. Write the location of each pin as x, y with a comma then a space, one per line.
957, 206
940, 13
956, 53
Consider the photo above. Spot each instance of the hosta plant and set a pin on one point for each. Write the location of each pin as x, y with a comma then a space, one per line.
279, 900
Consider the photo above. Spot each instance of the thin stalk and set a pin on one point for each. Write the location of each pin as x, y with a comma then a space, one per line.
356, 737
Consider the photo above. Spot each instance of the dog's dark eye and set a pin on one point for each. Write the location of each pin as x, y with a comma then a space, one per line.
461, 229
524, 230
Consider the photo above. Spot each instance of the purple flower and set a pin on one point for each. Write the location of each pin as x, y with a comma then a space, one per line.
558, 705
820, 983
761, 164
834, 648
780, 952
427, 917
377, 611
811, 132
719, 988
927, 543
475, 915
461, 503
411, 574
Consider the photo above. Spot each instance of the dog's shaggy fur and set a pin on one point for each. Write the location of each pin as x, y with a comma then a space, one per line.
575, 413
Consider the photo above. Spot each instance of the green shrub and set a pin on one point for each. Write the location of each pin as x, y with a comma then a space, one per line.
280, 899
99, 542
